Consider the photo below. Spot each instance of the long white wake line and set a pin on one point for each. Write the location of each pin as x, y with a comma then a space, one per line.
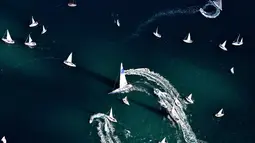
105, 129
169, 99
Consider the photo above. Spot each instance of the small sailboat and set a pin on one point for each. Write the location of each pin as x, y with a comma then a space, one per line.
33, 23
189, 99
125, 100
72, 3
223, 46
232, 70
220, 113
69, 62
29, 42
44, 30
237, 42
187, 39
110, 117
218, 4
3, 139
156, 33
8, 38
123, 84
163, 140
118, 22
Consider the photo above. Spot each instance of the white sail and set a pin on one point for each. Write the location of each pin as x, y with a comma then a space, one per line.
123, 80
163, 141
223, 46
44, 30
187, 39
110, 114
118, 22
33, 21
8, 36
189, 99
125, 100
220, 113
156, 33
218, 4
29, 39
3, 139
241, 41
70, 57
232, 70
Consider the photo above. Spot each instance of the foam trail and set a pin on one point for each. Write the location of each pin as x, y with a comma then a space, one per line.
105, 128
169, 99
210, 14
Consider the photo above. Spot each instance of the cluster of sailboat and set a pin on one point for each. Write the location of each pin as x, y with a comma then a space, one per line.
29, 41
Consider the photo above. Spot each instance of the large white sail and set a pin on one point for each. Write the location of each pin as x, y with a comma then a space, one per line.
29, 39
69, 59
218, 4
123, 80
110, 114
33, 21
8, 36
44, 30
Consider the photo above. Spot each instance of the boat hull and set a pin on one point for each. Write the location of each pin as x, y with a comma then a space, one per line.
237, 44
156, 34
43, 32
223, 47
119, 90
125, 102
33, 24
188, 41
219, 115
8, 41
189, 101
72, 4
112, 119
69, 64
31, 44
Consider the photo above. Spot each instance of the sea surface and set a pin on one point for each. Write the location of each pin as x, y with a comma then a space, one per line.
44, 101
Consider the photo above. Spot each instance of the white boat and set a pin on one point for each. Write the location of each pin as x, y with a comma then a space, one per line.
125, 100
189, 99
223, 46
72, 3
44, 30
232, 70
7, 38
237, 42
220, 113
123, 84
218, 4
69, 62
33, 23
187, 39
156, 33
163, 140
3, 139
110, 117
29, 42
118, 22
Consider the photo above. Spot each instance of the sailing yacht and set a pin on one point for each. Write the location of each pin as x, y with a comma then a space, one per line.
69, 62
29, 42
223, 46
163, 141
220, 113
189, 99
8, 38
34, 23
232, 70
72, 3
3, 139
44, 30
125, 100
110, 117
237, 42
118, 22
218, 4
187, 39
156, 33
123, 84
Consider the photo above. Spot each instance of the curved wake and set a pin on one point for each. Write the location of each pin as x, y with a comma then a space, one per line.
214, 14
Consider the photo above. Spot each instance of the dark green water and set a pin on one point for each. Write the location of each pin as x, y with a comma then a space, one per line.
42, 100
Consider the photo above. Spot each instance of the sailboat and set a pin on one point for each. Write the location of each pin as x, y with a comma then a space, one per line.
232, 70
163, 141
187, 39
189, 99
110, 117
123, 84
156, 33
218, 4
29, 42
237, 42
72, 3
34, 23
3, 139
220, 113
223, 46
125, 100
118, 22
8, 38
69, 62
44, 30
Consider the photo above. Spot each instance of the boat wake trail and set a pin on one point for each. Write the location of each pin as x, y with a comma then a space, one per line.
169, 99
105, 128
176, 12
